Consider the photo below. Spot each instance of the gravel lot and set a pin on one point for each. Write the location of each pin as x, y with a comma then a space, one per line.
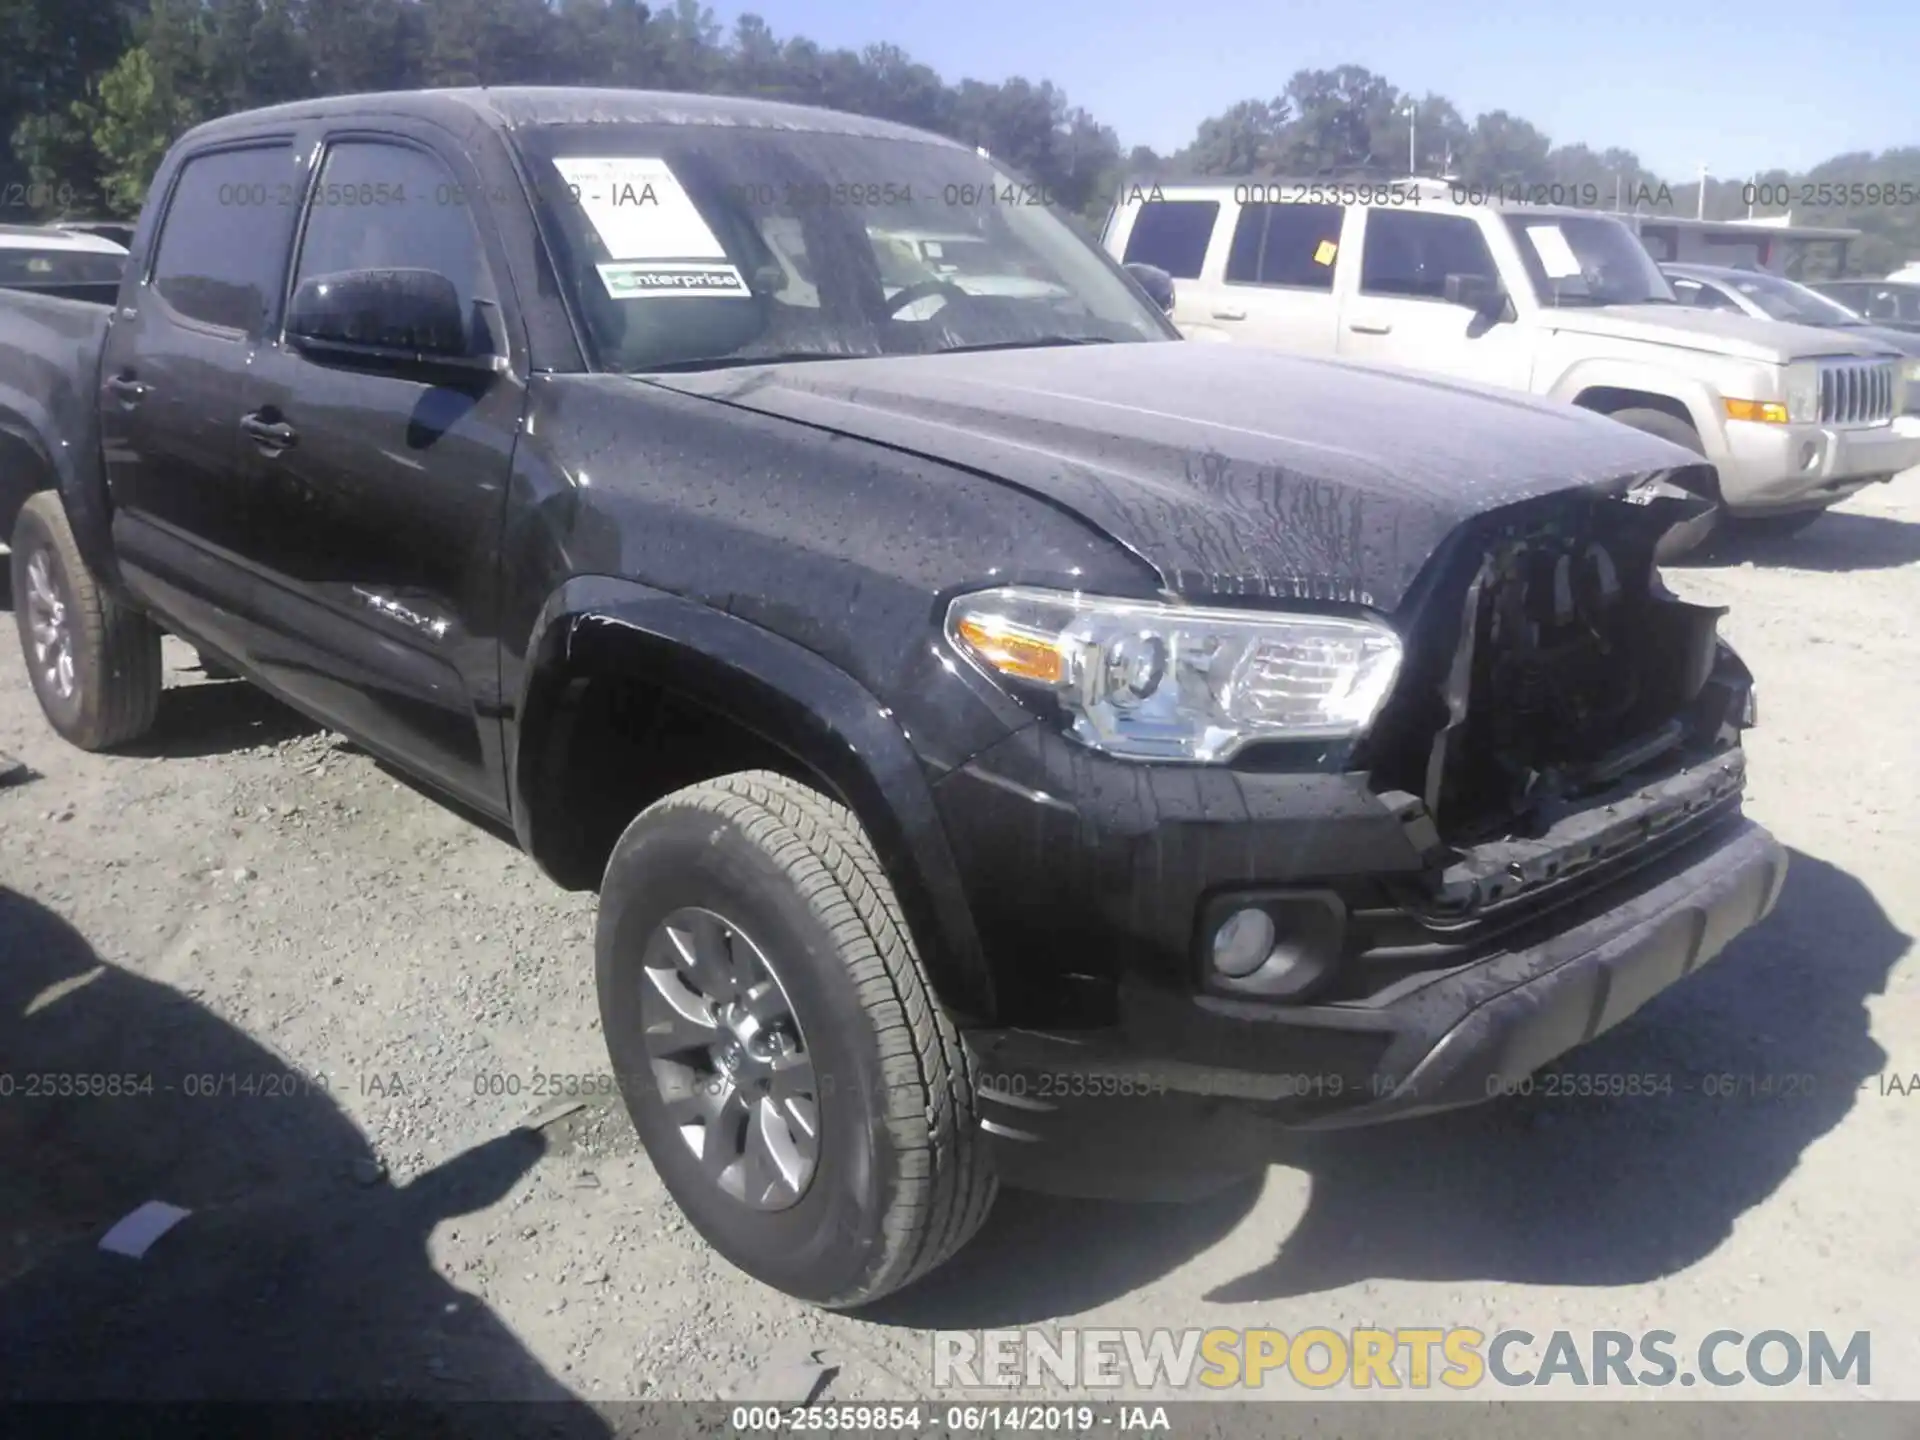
248, 896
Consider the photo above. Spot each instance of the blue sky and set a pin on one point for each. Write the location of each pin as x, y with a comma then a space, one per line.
1738, 88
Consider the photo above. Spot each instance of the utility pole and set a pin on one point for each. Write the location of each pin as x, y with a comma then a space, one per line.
1700, 212
1413, 135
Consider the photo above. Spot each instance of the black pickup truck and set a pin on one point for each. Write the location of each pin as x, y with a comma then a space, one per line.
987, 718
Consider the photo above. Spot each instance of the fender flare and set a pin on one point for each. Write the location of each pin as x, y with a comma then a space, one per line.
72, 467
1693, 395
789, 697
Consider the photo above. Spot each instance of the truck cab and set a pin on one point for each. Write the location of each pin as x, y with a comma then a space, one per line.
1555, 301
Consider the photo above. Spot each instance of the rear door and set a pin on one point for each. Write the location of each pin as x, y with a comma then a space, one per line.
1398, 312
382, 487
1270, 276
176, 358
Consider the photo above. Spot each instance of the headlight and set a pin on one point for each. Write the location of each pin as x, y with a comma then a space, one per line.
1803, 392
1909, 396
1153, 681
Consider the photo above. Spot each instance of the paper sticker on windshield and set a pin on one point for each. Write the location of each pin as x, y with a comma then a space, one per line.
631, 281
1556, 256
1324, 255
639, 209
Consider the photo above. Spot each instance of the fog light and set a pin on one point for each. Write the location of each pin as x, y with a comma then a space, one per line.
1242, 943
1809, 455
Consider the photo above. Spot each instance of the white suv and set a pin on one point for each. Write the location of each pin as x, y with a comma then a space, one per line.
1559, 302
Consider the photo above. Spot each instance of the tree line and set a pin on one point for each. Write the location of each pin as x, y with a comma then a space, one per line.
93, 91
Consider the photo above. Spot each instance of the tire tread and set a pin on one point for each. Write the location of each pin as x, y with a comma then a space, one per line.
126, 687
947, 1181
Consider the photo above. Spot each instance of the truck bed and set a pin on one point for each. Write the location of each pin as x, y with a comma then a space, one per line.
50, 350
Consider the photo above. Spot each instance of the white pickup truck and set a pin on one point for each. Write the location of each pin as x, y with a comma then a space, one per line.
1558, 302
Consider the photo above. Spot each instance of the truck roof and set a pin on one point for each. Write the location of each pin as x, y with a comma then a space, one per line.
513, 107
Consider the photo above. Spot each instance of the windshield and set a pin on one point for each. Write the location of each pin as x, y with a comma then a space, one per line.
1785, 300
1586, 260
689, 246
28, 269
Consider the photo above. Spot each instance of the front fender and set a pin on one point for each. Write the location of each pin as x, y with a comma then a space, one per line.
789, 697
1702, 404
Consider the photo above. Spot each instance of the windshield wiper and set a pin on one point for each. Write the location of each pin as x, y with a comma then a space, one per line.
734, 362
1036, 343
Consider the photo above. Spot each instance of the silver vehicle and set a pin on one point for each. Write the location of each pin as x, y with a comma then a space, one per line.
1893, 303
1558, 302
1770, 297
55, 261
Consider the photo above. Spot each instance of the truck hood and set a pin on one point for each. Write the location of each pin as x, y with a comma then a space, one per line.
1716, 332
1231, 471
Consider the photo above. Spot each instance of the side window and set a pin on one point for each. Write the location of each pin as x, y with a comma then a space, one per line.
1701, 297
380, 206
1410, 254
226, 233
1285, 245
1881, 305
1172, 234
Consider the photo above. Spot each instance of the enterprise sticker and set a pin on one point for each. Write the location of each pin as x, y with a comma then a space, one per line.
654, 277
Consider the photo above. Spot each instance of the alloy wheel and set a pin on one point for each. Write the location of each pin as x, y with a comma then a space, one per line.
50, 626
730, 1059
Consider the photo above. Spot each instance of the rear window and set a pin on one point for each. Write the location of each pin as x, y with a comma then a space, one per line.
27, 269
1173, 235
1285, 245
223, 244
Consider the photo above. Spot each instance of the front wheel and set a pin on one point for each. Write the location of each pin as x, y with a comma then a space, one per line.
797, 1085
94, 664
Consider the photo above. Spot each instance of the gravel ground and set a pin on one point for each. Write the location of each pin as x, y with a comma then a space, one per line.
247, 903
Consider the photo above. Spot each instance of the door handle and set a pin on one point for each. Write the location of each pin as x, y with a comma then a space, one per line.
268, 434
127, 390
1229, 314
1370, 327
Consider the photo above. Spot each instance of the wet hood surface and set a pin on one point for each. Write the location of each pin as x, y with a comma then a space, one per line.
1232, 471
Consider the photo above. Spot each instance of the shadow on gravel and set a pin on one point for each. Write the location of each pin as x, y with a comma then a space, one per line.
298, 1275
1041, 1256
1546, 1190
1838, 541
217, 717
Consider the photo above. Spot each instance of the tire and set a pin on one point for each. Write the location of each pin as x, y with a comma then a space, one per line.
107, 691
781, 878
1682, 539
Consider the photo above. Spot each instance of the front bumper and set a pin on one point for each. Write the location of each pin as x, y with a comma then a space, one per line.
1442, 1040
1779, 468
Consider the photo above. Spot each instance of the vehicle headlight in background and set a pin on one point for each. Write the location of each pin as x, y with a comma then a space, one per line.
1909, 396
1803, 392
1154, 681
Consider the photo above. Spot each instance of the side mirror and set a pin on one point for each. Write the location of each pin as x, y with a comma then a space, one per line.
1156, 282
396, 317
1481, 294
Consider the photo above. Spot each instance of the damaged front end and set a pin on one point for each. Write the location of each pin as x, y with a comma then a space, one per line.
1561, 706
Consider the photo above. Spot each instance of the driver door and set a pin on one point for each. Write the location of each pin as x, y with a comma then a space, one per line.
1398, 313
